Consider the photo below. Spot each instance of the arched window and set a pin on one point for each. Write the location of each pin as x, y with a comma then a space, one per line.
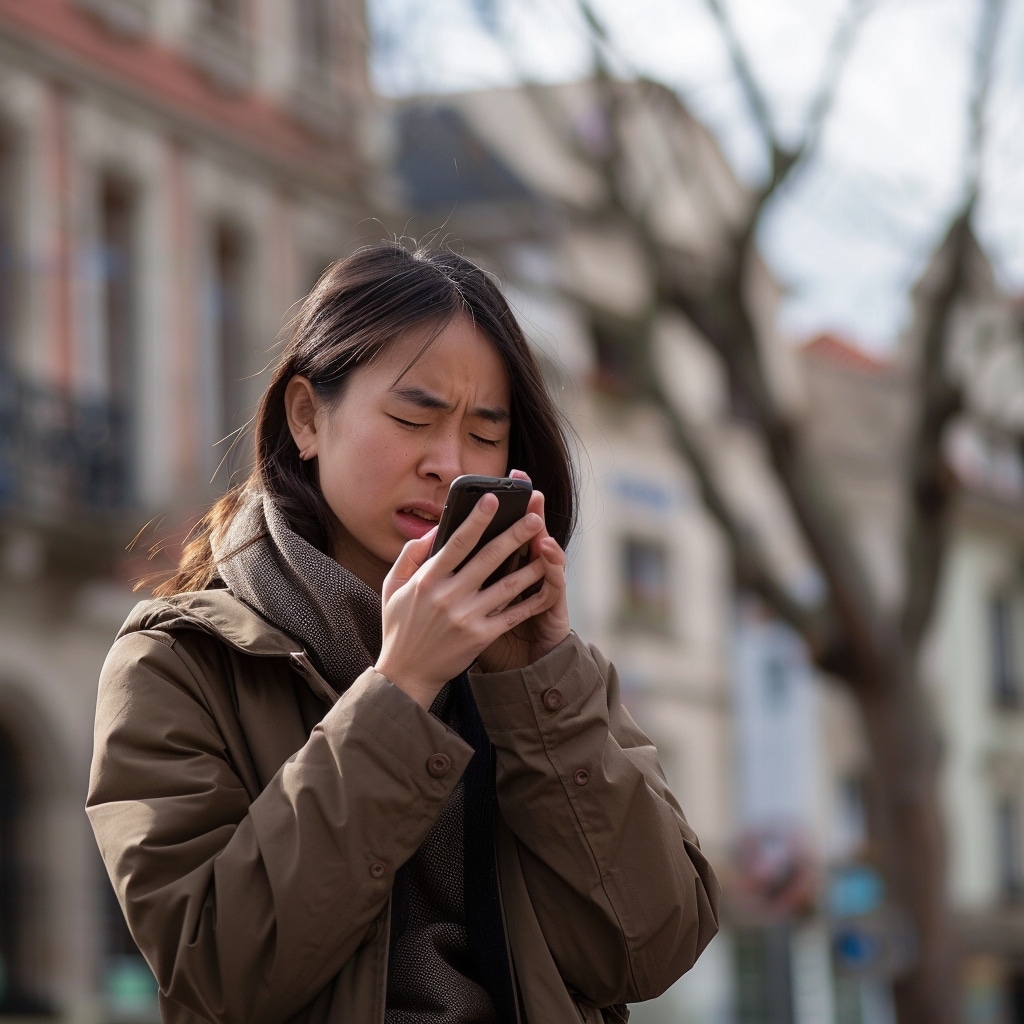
16, 996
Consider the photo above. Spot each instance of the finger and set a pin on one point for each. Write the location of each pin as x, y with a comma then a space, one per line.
536, 504
494, 554
512, 587
459, 545
515, 614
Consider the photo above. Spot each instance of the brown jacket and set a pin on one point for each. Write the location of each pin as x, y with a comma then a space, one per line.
252, 821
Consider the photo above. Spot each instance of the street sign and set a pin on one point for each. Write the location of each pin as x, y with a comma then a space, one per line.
877, 945
854, 890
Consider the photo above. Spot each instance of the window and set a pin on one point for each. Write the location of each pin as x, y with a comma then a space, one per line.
615, 358
1004, 613
219, 43
118, 277
313, 38
1009, 870
645, 584
104, 427
230, 294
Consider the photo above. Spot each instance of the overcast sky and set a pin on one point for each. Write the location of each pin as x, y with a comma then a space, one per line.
850, 236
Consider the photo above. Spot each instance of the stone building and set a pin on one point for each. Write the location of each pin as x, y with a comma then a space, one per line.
174, 174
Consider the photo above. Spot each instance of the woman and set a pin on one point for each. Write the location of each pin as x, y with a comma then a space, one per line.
309, 808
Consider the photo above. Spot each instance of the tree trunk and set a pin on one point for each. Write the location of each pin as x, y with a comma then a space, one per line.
907, 825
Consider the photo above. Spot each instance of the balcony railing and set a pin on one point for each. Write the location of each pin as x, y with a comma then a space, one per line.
62, 455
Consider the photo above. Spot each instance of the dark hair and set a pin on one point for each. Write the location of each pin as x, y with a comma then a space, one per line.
359, 305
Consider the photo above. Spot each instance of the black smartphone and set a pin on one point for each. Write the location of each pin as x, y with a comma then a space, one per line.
463, 494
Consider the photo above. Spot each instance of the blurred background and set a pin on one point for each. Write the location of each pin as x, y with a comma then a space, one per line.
771, 256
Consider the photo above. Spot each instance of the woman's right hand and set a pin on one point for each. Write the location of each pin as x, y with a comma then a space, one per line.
437, 621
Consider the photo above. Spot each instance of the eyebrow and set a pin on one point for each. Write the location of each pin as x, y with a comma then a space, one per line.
428, 400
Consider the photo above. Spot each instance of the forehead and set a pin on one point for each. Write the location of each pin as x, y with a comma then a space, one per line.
456, 356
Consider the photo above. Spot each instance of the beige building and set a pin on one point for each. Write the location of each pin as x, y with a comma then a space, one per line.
758, 747
650, 573
175, 174
859, 413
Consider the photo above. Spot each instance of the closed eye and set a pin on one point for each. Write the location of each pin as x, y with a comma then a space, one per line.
489, 442
407, 423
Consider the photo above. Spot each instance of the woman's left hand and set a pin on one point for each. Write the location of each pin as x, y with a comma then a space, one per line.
543, 632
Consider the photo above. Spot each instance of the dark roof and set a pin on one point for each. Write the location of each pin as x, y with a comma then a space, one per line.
441, 162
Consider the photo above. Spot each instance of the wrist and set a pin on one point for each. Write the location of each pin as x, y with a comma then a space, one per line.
422, 693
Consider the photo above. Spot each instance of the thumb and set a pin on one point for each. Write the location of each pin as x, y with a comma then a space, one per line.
411, 558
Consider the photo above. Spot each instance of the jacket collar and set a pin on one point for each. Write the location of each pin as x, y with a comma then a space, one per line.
213, 611
221, 614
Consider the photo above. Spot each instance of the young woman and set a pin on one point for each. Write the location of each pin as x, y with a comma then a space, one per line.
336, 780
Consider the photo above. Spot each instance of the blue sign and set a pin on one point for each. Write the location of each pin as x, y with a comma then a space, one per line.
649, 493
855, 890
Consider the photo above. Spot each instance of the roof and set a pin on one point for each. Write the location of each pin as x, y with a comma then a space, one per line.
847, 354
442, 161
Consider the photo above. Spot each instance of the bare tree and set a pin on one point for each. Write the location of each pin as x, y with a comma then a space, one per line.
873, 649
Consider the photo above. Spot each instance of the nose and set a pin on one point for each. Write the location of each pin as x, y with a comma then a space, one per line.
442, 459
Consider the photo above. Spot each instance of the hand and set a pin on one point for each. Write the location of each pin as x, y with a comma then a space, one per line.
436, 621
547, 627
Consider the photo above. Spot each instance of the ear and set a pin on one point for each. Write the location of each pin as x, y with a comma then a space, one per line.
300, 407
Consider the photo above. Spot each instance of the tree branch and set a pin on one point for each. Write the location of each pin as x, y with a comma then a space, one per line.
783, 160
930, 480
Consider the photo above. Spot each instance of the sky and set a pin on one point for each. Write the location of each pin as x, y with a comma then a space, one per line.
853, 230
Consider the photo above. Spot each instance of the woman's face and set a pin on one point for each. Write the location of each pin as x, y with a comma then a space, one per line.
402, 431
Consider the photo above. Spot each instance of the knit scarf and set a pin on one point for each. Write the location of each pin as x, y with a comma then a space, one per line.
447, 959
333, 613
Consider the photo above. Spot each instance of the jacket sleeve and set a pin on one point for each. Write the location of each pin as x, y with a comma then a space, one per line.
247, 906
623, 895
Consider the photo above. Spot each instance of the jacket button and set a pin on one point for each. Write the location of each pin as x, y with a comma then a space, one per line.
553, 699
438, 765
582, 777
378, 869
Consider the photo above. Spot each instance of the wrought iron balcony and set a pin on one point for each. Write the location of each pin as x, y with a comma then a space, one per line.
62, 456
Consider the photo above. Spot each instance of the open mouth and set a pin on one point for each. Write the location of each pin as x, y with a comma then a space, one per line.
420, 513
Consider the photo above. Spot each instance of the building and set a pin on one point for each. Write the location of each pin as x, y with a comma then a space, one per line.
859, 417
175, 174
650, 573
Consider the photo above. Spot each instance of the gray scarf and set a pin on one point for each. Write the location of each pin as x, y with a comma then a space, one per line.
444, 966
306, 593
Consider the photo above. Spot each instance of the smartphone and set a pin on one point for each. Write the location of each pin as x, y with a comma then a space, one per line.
463, 494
